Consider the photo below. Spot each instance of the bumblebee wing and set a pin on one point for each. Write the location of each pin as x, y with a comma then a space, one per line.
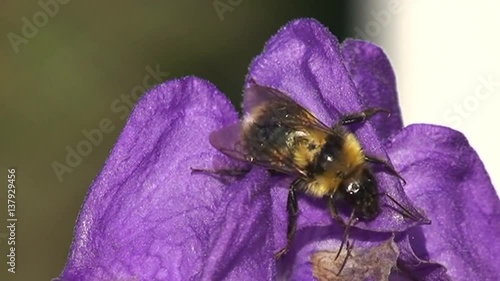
228, 140
256, 96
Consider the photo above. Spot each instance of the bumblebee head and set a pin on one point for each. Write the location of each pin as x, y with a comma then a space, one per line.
361, 193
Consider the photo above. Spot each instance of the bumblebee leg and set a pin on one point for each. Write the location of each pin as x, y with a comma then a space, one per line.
222, 172
293, 212
405, 212
226, 176
333, 209
386, 164
360, 117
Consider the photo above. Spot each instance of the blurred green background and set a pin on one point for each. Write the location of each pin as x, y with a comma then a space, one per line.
64, 79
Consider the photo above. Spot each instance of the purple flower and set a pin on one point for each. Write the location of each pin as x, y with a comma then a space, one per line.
146, 217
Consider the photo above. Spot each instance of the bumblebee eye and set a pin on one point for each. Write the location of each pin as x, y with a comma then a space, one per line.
352, 188
329, 158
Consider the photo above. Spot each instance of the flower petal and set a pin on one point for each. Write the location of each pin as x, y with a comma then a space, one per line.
374, 78
147, 217
319, 247
304, 61
411, 267
447, 178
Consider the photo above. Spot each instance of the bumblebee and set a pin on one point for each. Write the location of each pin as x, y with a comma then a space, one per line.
326, 162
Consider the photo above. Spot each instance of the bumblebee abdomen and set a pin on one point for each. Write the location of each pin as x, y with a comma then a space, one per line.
272, 133
270, 140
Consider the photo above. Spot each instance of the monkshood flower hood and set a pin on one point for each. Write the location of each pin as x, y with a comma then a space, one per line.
147, 217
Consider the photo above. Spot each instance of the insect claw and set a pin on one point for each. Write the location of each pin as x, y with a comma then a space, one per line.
403, 180
280, 253
389, 113
195, 170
